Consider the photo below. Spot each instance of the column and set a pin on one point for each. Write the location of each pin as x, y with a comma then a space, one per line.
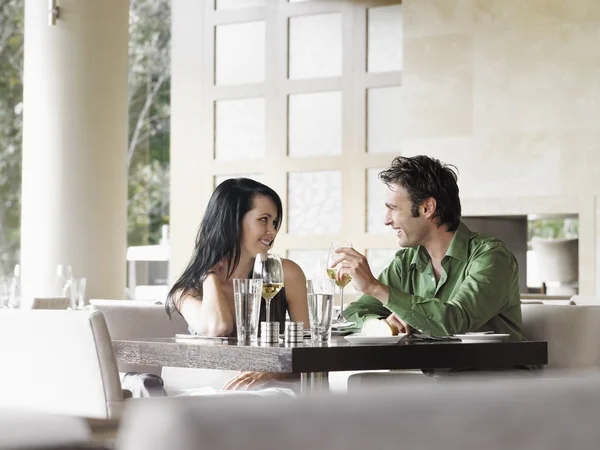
74, 191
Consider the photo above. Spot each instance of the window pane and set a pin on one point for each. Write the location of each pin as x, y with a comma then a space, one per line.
380, 258
240, 53
314, 202
253, 176
312, 262
315, 124
239, 129
384, 120
238, 4
376, 191
384, 39
315, 46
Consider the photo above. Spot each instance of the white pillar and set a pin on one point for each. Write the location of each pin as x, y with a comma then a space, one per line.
74, 194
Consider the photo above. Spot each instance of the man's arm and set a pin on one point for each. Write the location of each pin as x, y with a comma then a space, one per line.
492, 275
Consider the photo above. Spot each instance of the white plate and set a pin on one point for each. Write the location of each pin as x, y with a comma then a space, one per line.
358, 339
480, 338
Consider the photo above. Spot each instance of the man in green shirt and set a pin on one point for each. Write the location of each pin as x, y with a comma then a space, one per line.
445, 279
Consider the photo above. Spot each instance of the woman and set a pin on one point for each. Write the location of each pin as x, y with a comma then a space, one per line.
241, 220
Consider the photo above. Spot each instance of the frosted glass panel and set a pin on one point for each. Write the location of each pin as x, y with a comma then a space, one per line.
314, 202
238, 4
254, 176
315, 124
384, 120
380, 258
384, 39
240, 129
240, 53
315, 46
376, 192
312, 262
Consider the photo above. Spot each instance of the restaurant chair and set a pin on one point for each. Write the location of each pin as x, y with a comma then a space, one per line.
50, 303
135, 319
585, 300
467, 414
572, 333
27, 429
58, 362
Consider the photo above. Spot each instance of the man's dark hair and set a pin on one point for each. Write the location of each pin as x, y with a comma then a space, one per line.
423, 177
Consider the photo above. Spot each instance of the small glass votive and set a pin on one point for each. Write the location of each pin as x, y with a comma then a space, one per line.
269, 332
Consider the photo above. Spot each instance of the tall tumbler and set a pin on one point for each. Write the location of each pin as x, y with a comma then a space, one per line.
320, 308
247, 294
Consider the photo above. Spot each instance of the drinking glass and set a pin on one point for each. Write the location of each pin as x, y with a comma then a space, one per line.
269, 269
246, 296
320, 308
339, 321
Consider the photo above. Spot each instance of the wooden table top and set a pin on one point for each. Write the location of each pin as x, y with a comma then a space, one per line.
338, 355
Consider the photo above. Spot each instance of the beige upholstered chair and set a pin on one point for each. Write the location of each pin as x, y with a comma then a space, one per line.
473, 414
59, 362
585, 300
34, 430
572, 333
130, 319
50, 303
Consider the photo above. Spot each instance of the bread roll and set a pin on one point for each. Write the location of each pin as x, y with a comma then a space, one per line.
378, 327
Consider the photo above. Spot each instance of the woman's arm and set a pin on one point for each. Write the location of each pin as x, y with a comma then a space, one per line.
209, 315
295, 291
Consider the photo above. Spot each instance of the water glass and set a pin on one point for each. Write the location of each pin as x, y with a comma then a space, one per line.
246, 295
320, 308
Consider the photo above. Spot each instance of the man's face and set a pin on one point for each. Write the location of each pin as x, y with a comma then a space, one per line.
410, 230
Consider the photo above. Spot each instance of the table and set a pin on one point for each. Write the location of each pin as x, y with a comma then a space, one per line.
314, 361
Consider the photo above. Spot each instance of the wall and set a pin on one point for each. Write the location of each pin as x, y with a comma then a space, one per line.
509, 92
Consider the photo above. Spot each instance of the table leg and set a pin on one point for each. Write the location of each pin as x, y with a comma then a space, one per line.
311, 382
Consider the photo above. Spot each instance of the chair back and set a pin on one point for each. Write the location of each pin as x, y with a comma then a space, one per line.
490, 413
572, 333
131, 319
585, 300
50, 303
58, 362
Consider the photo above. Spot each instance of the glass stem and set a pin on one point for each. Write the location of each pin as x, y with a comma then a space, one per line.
341, 316
267, 310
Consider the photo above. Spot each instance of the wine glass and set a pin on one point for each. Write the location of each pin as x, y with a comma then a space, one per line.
339, 321
268, 267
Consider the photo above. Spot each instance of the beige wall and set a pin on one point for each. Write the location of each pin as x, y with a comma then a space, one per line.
509, 92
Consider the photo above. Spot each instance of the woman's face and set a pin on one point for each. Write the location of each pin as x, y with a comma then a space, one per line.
258, 226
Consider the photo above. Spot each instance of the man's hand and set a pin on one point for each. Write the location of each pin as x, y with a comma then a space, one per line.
247, 380
400, 324
356, 265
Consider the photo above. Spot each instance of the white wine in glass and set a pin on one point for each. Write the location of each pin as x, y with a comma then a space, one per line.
342, 282
268, 267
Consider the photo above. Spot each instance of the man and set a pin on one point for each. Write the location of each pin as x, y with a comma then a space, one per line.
445, 279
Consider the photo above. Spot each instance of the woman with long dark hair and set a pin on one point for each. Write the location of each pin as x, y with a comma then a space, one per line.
241, 220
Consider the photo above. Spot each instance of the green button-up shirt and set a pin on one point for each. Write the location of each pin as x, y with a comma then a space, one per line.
478, 289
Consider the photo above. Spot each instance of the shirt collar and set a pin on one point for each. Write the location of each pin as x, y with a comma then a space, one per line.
459, 248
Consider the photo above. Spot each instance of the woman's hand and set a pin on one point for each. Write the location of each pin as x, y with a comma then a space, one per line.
247, 380
220, 270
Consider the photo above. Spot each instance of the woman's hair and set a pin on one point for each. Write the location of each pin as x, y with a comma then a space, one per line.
219, 234
423, 177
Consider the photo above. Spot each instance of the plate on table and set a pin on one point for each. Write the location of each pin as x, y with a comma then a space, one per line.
482, 338
359, 339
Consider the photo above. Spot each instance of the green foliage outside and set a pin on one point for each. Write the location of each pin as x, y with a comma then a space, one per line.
553, 228
149, 115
